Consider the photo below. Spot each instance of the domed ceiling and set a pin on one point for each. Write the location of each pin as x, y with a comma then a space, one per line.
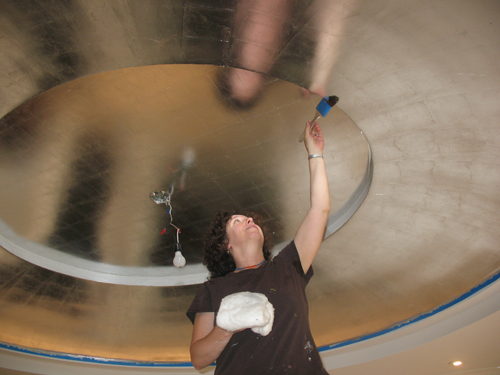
104, 103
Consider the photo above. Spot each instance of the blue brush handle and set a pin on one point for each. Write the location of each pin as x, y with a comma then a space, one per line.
326, 104
322, 110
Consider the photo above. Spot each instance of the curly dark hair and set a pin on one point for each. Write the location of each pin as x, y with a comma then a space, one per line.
215, 255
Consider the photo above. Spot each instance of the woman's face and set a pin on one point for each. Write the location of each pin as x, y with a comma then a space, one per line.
241, 230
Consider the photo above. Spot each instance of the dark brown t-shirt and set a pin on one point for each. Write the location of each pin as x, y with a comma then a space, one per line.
289, 348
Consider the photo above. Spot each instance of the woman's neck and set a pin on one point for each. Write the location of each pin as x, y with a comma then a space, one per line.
248, 257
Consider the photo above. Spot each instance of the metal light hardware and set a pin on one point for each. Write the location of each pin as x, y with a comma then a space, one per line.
160, 197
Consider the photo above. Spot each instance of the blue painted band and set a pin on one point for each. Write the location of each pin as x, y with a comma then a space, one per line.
418, 318
89, 359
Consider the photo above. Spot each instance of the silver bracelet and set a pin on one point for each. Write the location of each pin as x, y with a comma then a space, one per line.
315, 156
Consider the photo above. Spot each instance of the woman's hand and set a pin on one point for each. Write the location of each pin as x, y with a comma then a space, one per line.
313, 139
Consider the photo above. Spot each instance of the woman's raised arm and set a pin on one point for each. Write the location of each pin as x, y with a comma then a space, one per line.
310, 233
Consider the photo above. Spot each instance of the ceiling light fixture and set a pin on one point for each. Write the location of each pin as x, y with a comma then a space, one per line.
456, 363
160, 197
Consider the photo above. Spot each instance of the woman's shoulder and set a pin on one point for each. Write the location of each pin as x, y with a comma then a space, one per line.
289, 258
288, 252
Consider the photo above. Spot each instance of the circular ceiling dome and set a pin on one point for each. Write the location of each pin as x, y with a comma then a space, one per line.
419, 78
89, 154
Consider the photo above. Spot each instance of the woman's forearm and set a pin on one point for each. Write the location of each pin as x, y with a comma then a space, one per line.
320, 192
206, 350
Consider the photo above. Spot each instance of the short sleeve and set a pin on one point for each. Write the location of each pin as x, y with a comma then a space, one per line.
202, 303
290, 255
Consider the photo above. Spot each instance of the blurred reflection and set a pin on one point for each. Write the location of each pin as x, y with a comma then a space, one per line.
80, 183
87, 156
265, 32
329, 20
290, 39
258, 34
87, 193
47, 31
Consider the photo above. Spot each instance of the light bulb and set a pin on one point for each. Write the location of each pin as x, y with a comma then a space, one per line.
179, 260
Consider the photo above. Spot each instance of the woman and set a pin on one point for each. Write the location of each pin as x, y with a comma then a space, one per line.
238, 258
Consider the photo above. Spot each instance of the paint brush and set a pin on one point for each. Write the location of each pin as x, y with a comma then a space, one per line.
322, 110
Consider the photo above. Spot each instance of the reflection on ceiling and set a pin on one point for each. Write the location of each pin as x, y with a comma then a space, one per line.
84, 169
420, 79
